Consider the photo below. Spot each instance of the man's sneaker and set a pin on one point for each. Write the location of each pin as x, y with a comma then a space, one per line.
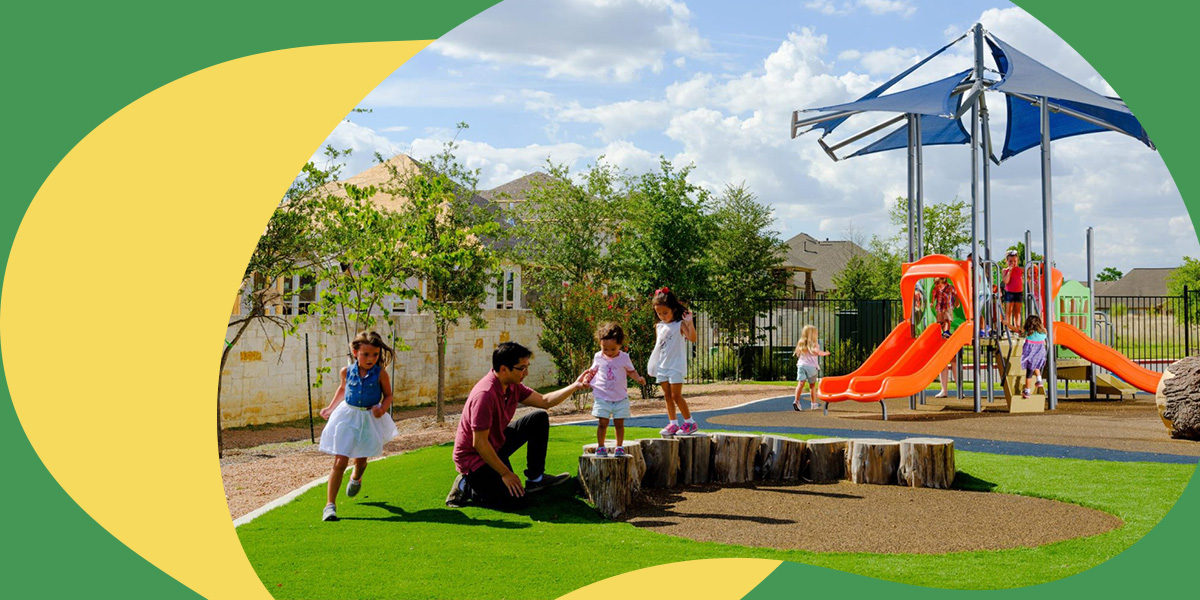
618, 452
670, 429
601, 451
547, 481
457, 498
689, 429
352, 488
330, 513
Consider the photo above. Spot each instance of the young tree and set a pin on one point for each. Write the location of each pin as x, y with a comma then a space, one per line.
446, 236
1185, 275
744, 261
947, 226
1109, 274
874, 275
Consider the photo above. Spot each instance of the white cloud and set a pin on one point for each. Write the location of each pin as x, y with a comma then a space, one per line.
609, 39
363, 142
876, 7
618, 119
395, 129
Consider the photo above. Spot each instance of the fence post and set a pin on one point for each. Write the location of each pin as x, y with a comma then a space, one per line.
1187, 323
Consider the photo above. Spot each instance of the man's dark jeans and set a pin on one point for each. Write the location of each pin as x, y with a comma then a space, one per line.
484, 484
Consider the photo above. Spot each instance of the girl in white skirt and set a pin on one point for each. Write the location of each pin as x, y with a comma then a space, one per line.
359, 423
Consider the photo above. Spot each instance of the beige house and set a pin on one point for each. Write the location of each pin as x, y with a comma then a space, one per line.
814, 263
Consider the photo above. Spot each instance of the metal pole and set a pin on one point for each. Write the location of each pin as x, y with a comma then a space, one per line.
1048, 259
974, 295
987, 239
912, 191
1187, 324
1091, 307
312, 428
920, 189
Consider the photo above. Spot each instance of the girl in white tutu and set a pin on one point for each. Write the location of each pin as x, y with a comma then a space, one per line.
359, 423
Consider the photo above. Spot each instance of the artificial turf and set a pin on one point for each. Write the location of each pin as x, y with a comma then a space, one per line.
397, 539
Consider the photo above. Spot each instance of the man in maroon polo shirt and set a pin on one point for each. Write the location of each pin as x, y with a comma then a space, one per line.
487, 434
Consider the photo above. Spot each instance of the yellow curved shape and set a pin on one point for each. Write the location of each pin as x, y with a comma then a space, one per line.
116, 391
710, 579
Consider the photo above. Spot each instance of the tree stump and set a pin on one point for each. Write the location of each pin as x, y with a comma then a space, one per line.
733, 457
826, 459
662, 462
634, 451
1178, 399
780, 458
927, 462
606, 482
873, 461
695, 459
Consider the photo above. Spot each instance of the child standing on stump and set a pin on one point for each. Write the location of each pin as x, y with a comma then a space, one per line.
610, 367
806, 352
668, 361
359, 423
1033, 353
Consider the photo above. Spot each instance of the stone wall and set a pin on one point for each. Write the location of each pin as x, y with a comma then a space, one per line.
264, 380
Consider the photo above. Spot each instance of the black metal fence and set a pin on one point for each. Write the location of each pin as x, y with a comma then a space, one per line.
1153, 331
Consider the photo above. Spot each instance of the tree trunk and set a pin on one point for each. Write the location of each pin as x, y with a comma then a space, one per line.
606, 481
441, 370
826, 459
634, 451
873, 461
927, 462
662, 462
733, 457
695, 459
780, 458
220, 373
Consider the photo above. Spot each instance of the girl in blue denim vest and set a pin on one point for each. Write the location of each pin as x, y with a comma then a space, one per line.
359, 422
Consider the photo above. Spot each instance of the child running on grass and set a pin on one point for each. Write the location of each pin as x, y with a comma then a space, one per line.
668, 361
1033, 353
611, 366
359, 423
808, 348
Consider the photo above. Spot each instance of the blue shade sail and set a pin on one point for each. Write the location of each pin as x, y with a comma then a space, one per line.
930, 99
829, 126
1024, 75
1023, 130
935, 131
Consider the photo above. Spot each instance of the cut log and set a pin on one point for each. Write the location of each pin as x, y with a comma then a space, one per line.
662, 462
695, 459
1178, 399
733, 457
927, 462
606, 482
826, 459
873, 461
634, 451
780, 458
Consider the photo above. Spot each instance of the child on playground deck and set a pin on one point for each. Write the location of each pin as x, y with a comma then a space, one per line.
1033, 353
944, 302
359, 423
1014, 287
668, 361
610, 367
808, 348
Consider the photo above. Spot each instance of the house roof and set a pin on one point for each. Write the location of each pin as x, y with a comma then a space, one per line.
379, 175
515, 190
824, 259
1137, 282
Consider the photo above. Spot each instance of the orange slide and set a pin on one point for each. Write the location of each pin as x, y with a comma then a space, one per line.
1134, 374
900, 369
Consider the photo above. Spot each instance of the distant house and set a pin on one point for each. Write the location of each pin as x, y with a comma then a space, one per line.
814, 263
1138, 291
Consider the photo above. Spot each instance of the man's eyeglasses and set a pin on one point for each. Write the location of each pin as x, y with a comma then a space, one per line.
519, 368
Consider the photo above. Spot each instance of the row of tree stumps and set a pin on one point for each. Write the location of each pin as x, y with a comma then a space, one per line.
611, 483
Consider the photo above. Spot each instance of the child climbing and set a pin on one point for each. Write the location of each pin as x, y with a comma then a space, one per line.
1033, 353
808, 349
359, 423
668, 361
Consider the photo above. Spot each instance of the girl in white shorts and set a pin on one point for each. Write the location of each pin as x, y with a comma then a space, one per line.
668, 361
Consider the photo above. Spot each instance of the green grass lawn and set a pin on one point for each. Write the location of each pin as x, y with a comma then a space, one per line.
398, 540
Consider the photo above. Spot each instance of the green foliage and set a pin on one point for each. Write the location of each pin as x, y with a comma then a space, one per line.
721, 365
844, 357
947, 226
874, 275
1186, 275
1109, 274
744, 259
1035, 257
1119, 310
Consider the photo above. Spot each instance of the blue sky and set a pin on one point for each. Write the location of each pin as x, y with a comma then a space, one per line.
713, 83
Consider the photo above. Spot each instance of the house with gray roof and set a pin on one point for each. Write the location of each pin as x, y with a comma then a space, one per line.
1140, 290
814, 263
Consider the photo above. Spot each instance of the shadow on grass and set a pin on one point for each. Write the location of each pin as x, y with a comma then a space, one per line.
967, 482
434, 515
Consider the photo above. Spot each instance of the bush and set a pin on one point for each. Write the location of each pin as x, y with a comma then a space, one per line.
720, 365
1119, 310
844, 357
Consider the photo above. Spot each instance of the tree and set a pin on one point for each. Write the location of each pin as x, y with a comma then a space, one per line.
873, 275
744, 260
947, 226
1185, 275
446, 236
1109, 274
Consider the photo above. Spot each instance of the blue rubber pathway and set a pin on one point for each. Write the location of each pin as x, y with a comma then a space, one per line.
784, 403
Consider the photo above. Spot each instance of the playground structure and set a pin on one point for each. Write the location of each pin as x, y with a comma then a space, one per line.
911, 357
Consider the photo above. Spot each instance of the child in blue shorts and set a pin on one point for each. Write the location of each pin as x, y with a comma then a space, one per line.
610, 367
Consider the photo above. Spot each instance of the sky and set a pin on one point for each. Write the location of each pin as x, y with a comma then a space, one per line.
713, 84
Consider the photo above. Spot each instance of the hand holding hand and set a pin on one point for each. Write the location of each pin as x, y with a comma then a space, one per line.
585, 378
513, 483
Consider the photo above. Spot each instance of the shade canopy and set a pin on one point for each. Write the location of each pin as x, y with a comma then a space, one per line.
930, 99
935, 131
1023, 130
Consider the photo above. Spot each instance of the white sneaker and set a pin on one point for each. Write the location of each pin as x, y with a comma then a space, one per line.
352, 488
330, 513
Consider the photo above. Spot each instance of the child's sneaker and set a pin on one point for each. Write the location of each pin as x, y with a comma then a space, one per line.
1040, 383
689, 429
330, 513
946, 335
1025, 393
352, 488
618, 452
601, 451
670, 429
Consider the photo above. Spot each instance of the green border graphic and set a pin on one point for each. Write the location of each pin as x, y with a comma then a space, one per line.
68, 66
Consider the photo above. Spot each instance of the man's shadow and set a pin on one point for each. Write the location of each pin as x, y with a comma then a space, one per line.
448, 516
559, 504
